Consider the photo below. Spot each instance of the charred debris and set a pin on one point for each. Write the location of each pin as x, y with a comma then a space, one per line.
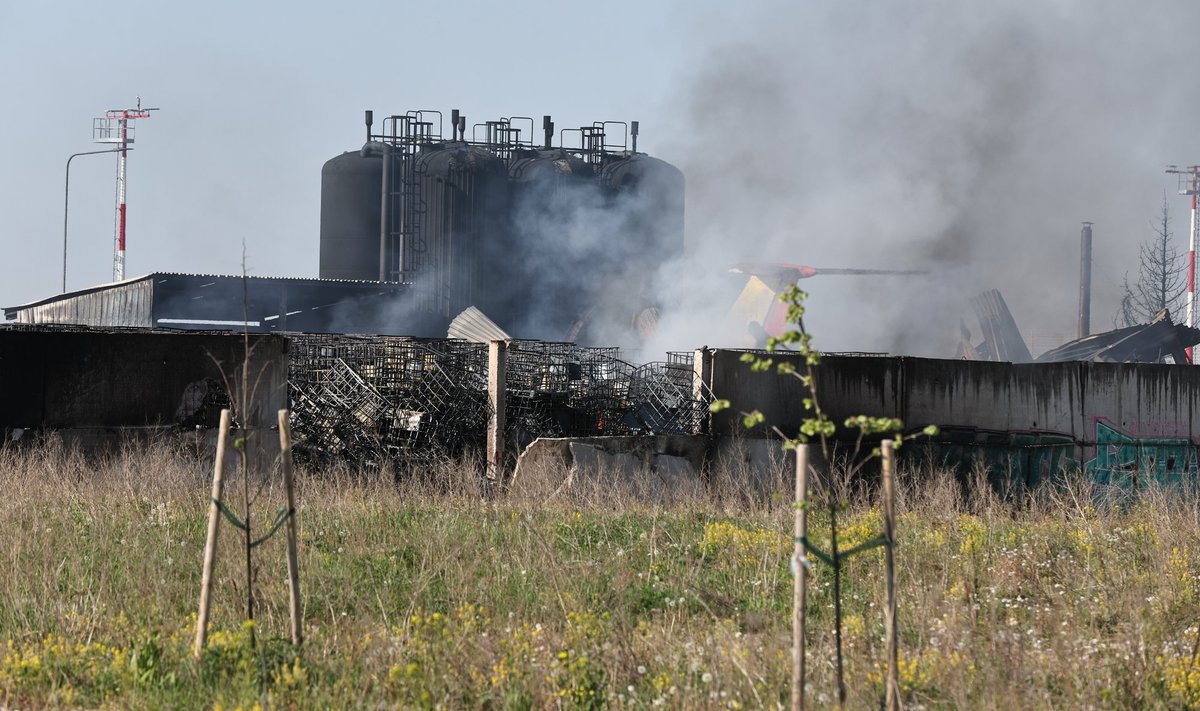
1159, 341
411, 400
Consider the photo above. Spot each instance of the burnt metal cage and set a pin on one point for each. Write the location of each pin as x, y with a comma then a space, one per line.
368, 398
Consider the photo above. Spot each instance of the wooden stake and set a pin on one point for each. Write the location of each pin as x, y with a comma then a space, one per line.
497, 369
210, 545
889, 550
799, 584
293, 558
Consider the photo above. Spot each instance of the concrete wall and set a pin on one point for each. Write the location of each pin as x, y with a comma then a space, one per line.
1120, 421
107, 380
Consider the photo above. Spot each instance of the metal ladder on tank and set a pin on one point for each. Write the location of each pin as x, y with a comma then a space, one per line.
404, 255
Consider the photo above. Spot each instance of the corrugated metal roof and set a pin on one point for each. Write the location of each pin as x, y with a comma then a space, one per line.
259, 304
10, 312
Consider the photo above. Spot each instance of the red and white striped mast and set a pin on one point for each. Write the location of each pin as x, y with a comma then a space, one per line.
115, 128
1189, 184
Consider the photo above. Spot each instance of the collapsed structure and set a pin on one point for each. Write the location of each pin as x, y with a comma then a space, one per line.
1153, 342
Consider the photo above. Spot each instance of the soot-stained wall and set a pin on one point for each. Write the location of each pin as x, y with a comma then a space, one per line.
1121, 422
92, 379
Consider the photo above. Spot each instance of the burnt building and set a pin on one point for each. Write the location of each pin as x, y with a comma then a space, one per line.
199, 302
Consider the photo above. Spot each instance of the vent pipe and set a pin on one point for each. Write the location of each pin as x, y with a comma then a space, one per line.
548, 129
453, 124
385, 213
370, 119
633, 132
1085, 280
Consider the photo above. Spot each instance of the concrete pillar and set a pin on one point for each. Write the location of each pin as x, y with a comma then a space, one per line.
497, 374
702, 367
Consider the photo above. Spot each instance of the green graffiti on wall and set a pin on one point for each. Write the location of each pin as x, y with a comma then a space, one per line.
1012, 459
1025, 459
1128, 461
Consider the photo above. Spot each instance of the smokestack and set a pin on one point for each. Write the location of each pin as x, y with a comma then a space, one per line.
548, 128
1085, 280
370, 118
453, 124
633, 131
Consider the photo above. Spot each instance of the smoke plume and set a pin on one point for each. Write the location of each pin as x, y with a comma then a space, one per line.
966, 139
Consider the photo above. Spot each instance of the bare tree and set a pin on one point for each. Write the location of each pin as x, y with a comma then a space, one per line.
1162, 277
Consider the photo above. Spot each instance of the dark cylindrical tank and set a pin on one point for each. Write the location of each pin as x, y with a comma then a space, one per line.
464, 199
538, 280
648, 195
638, 217
350, 202
554, 167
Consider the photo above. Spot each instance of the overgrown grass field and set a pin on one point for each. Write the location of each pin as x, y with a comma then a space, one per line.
430, 596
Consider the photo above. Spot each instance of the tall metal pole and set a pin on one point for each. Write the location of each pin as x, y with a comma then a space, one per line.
1085, 281
66, 204
102, 133
119, 262
1193, 189
1192, 255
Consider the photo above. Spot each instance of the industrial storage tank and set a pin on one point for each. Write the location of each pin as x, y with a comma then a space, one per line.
643, 204
552, 243
544, 276
648, 193
464, 200
350, 199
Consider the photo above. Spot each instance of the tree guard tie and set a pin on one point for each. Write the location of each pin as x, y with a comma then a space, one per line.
283, 515
842, 555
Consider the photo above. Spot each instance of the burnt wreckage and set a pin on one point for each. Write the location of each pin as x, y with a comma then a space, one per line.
1152, 342
367, 398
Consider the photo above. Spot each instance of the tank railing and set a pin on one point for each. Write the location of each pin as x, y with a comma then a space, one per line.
423, 134
419, 127
593, 143
395, 128
419, 116
498, 133
562, 138
507, 139
614, 146
408, 131
514, 119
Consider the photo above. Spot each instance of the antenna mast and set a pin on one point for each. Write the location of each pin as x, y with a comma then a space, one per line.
114, 128
1189, 184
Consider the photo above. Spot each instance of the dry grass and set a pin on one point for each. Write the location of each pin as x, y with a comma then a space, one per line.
427, 595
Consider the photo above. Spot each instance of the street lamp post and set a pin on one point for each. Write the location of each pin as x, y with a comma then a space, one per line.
66, 203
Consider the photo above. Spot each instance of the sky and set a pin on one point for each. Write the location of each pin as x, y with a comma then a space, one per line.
965, 139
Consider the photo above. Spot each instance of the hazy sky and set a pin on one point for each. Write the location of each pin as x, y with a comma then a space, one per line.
255, 97
968, 138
